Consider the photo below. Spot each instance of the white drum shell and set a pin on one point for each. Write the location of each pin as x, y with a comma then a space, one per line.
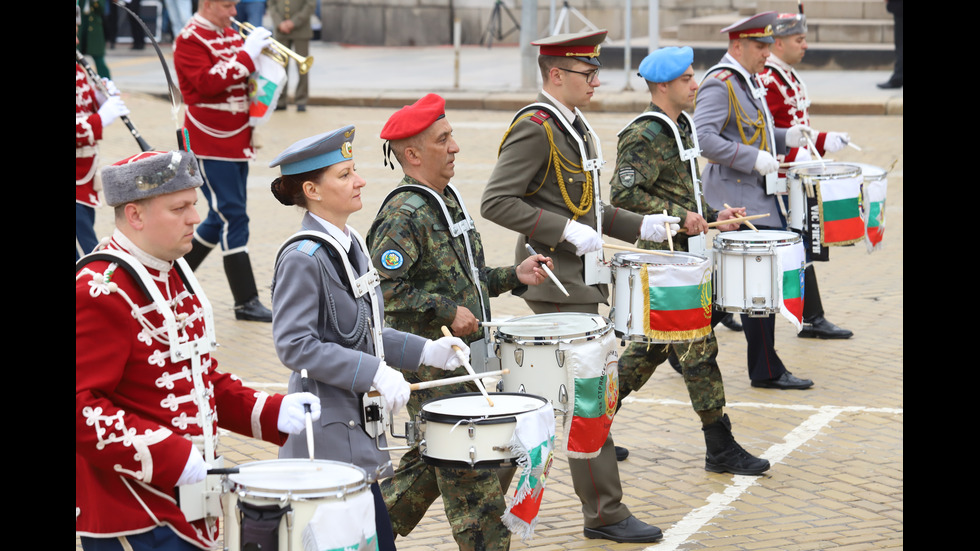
800, 178
747, 272
464, 431
535, 357
628, 293
300, 483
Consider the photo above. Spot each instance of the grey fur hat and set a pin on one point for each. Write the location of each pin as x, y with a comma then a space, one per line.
150, 174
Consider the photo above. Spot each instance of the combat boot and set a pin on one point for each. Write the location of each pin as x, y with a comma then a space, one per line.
238, 268
199, 250
724, 455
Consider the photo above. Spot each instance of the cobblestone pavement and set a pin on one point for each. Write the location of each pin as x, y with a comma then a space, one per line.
837, 480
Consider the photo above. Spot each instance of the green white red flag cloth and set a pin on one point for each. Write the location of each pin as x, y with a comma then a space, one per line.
873, 211
595, 366
840, 211
265, 86
534, 445
791, 260
678, 300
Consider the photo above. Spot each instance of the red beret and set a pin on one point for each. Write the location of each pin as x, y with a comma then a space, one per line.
413, 119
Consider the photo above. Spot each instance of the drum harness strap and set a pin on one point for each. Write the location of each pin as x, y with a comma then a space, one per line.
360, 286
596, 270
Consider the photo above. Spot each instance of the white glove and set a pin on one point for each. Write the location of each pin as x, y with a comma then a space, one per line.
392, 386
653, 228
259, 39
835, 141
110, 87
584, 238
795, 136
440, 353
766, 163
112, 109
195, 470
292, 413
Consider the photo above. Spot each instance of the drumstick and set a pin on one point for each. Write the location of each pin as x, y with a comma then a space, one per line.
747, 223
634, 249
305, 381
670, 240
547, 270
732, 221
448, 381
466, 364
791, 164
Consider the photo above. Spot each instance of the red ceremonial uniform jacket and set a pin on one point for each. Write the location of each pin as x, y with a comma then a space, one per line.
212, 71
88, 131
788, 101
134, 407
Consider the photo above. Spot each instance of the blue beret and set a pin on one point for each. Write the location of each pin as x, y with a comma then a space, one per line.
666, 64
317, 152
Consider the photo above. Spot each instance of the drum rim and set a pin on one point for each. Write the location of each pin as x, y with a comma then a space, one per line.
258, 491
703, 259
496, 420
553, 339
806, 171
723, 237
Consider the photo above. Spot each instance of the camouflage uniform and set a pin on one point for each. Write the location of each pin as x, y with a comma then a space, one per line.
424, 277
651, 177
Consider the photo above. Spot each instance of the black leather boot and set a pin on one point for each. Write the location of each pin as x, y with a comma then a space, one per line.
238, 268
724, 455
198, 252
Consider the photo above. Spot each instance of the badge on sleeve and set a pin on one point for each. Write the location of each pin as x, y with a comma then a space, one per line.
627, 176
391, 259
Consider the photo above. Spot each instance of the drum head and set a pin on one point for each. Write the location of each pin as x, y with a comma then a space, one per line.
675, 258
871, 173
824, 171
750, 237
553, 326
472, 406
299, 476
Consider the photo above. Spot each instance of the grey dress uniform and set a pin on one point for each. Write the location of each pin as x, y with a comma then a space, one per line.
523, 195
312, 306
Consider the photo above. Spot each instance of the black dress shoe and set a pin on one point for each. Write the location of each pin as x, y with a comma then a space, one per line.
729, 322
820, 328
787, 381
631, 530
621, 453
301, 108
253, 310
891, 84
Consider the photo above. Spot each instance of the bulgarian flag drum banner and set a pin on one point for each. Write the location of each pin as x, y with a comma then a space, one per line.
595, 366
840, 211
792, 260
534, 445
873, 193
678, 299
265, 86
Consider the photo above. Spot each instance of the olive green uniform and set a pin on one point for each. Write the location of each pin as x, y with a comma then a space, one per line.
424, 277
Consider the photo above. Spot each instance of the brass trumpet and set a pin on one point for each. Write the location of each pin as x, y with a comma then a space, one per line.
277, 51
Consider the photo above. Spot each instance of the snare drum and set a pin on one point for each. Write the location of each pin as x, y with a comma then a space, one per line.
535, 350
465, 431
824, 201
747, 273
661, 298
297, 488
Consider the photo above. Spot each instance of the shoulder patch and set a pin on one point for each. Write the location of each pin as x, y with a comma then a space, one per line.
627, 176
391, 259
540, 116
724, 74
308, 246
412, 203
652, 129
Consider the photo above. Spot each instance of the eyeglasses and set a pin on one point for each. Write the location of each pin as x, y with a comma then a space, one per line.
590, 76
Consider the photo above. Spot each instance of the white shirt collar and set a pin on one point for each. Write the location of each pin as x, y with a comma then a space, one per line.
139, 254
780, 63
565, 111
341, 235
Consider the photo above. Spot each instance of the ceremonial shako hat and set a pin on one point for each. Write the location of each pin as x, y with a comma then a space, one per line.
757, 27
317, 152
582, 46
149, 174
411, 120
666, 64
788, 24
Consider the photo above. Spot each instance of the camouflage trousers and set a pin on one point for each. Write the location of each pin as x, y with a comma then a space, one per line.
699, 367
473, 498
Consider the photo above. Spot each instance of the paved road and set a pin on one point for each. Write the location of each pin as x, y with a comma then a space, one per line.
837, 449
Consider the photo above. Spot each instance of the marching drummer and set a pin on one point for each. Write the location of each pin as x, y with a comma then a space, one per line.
790, 105
737, 136
652, 175
433, 279
322, 322
147, 390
